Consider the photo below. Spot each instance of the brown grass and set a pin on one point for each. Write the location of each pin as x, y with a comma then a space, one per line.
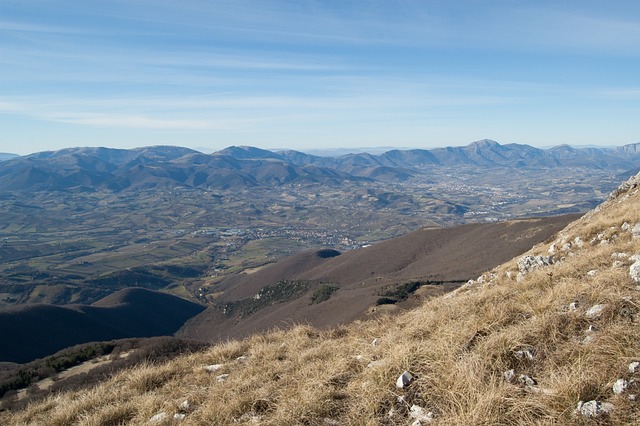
458, 346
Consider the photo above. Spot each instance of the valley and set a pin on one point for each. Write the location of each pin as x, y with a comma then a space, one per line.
78, 244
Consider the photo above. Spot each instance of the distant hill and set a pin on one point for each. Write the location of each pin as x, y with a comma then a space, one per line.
6, 156
32, 331
245, 167
438, 258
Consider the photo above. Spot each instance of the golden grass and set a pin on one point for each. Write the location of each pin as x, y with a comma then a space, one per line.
458, 346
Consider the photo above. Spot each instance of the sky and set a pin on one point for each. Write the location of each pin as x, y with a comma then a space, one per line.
314, 74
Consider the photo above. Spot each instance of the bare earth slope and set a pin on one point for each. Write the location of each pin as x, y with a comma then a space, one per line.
445, 257
549, 345
28, 332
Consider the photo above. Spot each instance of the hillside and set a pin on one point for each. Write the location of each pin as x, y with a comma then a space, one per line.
552, 344
32, 331
385, 276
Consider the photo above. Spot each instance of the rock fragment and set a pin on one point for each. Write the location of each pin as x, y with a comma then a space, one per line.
634, 367
404, 380
634, 271
526, 380
213, 367
594, 409
509, 376
420, 415
529, 263
158, 418
595, 311
620, 386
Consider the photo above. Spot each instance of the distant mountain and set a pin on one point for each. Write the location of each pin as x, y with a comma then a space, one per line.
244, 167
357, 280
6, 156
30, 331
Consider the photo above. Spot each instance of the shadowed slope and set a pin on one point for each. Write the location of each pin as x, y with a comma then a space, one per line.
28, 332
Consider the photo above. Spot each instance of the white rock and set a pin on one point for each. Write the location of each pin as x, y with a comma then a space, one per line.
185, 405
635, 231
375, 342
509, 376
179, 416
592, 273
221, 377
590, 338
573, 306
420, 414
578, 242
213, 367
524, 354
404, 380
159, 418
595, 311
634, 271
634, 367
594, 409
619, 256
617, 264
625, 226
566, 247
526, 380
620, 386
374, 364
529, 263
591, 329
242, 358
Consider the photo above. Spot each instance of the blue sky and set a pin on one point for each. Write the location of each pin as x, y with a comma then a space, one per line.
306, 74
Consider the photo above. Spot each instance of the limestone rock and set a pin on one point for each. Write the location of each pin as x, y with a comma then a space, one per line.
185, 406
509, 376
634, 367
529, 263
526, 380
620, 386
420, 415
595, 311
635, 231
404, 380
525, 353
221, 377
213, 367
594, 409
592, 273
159, 418
634, 271
179, 416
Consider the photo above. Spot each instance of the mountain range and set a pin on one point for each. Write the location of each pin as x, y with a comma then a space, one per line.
165, 166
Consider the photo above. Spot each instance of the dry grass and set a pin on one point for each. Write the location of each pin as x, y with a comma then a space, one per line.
458, 346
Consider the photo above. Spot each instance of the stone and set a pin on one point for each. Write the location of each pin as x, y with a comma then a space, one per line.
330, 421
374, 364
375, 342
577, 241
595, 311
635, 231
525, 353
526, 380
592, 273
179, 416
185, 406
594, 409
509, 376
634, 367
159, 418
634, 271
620, 386
213, 367
625, 226
529, 263
221, 378
420, 414
573, 306
617, 264
404, 380
242, 358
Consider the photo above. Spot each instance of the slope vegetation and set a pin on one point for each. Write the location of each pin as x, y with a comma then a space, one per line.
552, 344
28, 332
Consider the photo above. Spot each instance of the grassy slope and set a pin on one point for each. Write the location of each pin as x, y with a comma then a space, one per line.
457, 345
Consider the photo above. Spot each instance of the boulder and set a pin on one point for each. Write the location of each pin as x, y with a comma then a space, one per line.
529, 263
